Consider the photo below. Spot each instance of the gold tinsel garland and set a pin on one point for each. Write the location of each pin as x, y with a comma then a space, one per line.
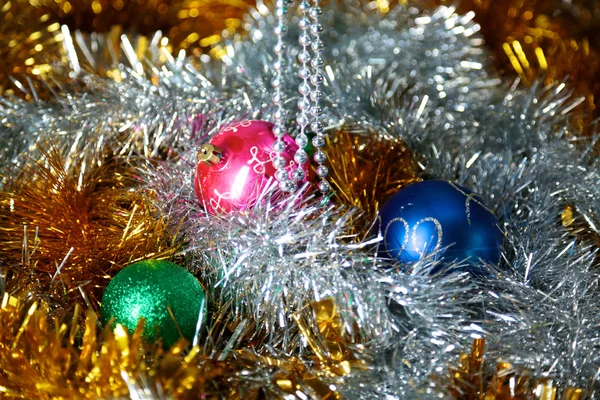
196, 24
475, 378
366, 170
31, 40
69, 357
74, 227
28, 36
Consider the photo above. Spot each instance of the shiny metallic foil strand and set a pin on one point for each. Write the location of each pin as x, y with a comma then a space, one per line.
551, 40
29, 41
366, 169
476, 378
68, 356
90, 123
188, 24
420, 77
70, 231
111, 54
581, 224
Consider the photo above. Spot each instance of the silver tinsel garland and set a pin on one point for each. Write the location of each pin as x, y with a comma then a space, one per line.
422, 77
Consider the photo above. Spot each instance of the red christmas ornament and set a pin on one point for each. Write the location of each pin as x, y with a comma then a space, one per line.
236, 165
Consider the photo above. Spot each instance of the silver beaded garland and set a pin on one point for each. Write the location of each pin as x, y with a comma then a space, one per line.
310, 110
305, 90
279, 130
310, 90
316, 95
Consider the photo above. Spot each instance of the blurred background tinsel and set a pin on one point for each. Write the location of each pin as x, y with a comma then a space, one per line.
104, 104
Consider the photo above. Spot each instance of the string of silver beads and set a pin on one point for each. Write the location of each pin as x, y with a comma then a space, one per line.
304, 104
279, 130
316, 95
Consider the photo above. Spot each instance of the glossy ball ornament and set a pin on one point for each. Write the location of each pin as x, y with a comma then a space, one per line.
154, 289
236, 165
428, 216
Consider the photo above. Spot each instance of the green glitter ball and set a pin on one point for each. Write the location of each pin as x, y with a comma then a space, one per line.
148, 289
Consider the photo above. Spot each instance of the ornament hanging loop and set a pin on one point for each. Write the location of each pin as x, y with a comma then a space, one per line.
209, 154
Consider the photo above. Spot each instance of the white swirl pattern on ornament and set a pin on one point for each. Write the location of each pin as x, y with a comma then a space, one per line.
413, 235
234, 127
470, 197
259, 167
406, 227
216, 204
438, 228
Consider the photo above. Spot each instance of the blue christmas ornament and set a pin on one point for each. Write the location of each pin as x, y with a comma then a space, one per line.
431, 216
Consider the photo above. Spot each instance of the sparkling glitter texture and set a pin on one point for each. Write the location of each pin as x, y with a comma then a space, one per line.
80, 222
554, 40
366, 170
420, 77
168, 297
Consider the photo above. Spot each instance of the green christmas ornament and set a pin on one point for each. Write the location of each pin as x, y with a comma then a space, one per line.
149, 289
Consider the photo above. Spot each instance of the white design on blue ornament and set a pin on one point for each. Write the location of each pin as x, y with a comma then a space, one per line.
387, 228
470, 197
439, 231
430, 216
413, 235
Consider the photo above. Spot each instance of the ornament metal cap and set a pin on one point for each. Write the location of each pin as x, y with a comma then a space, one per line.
208, 154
